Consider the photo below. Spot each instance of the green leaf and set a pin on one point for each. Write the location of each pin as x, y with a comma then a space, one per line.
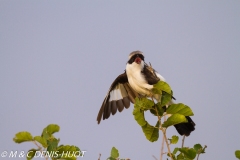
175, 150
22, 137
173, 156
159, 108
49, 130
139, 116
174, 139
114, 153
165, 99
189, 153
157, 91
237, 154
175, 119
143, 103
68, 152
31, 153
180, 156
180, 109
52, 144
151, 133
41, 140
153, 111
162, 86
140, 105
199, 149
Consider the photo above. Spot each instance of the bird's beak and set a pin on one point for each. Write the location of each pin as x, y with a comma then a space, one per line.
138, 60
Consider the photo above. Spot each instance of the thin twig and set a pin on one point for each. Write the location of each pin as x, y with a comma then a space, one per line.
183, 140
201, 150
168, 146
163, 130
198, 156
162, 148
160, 126
166, 140
154, 157
40, 149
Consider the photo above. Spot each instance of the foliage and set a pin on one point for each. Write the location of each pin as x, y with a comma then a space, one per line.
178, 113
237, 154
48, 145
115, 155
160, 109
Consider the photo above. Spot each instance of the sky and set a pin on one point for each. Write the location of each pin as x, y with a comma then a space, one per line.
58, 59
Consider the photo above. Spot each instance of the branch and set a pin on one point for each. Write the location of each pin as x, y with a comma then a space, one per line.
154, 157
168, 146
162, 148
40, 148
202, 150
163, 130
183, 140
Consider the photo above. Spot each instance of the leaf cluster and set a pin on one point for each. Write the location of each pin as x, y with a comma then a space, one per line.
177, 111
186, 153
115, 155
237, 154
177, 114
48, 145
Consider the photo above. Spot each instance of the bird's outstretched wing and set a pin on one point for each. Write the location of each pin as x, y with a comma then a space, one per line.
119, 96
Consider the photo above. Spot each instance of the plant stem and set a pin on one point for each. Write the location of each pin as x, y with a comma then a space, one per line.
161, 155
164, 133
160, 126
183, 140
162, 148
155, 157
198, 156
201, 151
40, 148
168, 146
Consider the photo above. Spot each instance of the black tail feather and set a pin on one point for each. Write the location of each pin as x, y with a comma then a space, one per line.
185, 128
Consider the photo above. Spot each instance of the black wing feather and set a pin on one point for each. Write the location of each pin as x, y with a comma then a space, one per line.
111, 107
149, 74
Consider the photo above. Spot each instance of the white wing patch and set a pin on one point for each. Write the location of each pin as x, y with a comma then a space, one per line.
115, 95
161, 77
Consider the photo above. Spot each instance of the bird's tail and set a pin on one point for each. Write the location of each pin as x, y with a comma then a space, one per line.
185, 128
182, 128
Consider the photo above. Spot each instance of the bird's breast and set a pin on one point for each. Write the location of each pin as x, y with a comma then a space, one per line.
139, 84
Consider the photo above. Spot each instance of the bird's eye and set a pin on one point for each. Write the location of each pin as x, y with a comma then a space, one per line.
141, 56
134, 57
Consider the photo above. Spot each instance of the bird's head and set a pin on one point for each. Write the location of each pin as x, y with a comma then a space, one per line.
136, 56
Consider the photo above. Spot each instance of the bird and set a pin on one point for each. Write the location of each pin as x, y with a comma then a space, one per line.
136, 81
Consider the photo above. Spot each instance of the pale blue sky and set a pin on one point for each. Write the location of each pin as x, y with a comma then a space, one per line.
58, 59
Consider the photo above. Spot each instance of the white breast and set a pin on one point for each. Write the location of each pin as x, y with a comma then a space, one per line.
136, 78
